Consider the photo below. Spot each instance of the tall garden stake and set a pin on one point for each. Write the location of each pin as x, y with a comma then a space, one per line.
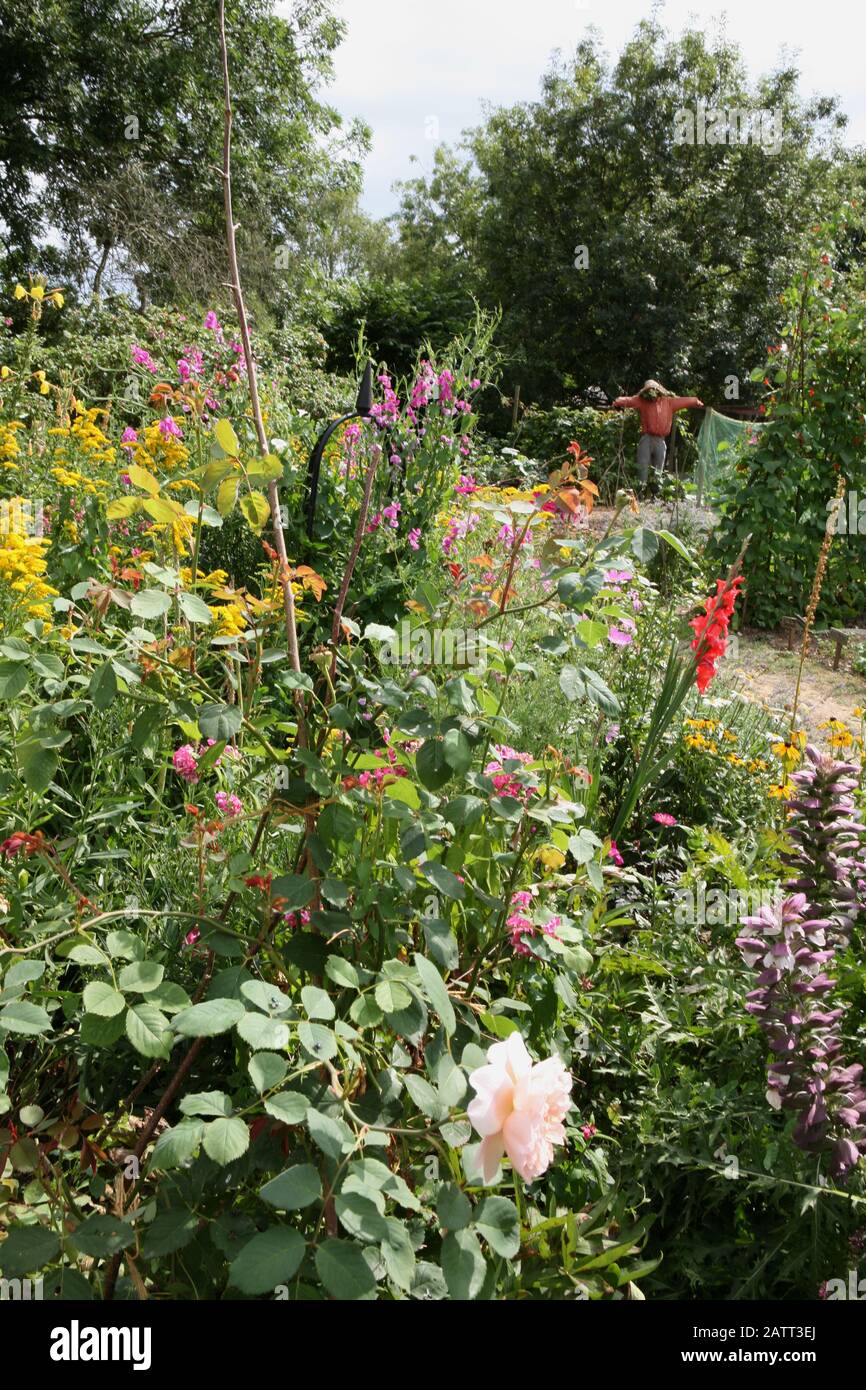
833, 510
252, 380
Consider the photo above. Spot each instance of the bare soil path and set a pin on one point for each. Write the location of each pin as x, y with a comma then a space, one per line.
769, 674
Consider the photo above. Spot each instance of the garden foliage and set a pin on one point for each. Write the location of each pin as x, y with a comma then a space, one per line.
331, 979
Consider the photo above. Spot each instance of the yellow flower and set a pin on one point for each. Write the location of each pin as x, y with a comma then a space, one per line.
23, 565
182, 529
88, 439
840, 734
230, 619
789, 752
551, 857
158, 450
10, 449
786, 791
38, 293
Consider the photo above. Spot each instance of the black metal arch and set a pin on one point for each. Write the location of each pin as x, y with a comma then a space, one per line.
363, 407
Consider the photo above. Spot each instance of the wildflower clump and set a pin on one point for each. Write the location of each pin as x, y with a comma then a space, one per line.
10, 447
23, 566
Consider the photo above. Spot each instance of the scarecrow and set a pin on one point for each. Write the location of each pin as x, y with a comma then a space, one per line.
657, 407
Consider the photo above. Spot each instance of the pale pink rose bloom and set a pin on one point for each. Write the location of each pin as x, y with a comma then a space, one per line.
519, 1108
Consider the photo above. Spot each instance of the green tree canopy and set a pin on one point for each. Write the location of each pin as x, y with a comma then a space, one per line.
111, 140
687, 245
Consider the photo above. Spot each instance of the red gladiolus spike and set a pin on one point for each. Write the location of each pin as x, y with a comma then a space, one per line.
711, 629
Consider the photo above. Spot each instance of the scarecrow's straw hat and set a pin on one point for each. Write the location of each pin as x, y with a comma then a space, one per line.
654, 388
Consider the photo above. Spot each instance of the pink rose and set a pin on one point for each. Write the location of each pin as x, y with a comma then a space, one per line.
519, 1108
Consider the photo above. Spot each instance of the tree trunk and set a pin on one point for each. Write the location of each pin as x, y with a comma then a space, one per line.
100, 269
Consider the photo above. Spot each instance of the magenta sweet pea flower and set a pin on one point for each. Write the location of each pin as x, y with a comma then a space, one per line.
185, 763
142, 358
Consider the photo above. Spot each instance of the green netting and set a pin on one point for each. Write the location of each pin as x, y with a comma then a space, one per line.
721, 441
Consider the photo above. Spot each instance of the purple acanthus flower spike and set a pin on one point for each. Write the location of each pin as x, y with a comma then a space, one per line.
828, 838
793, 945
789, 949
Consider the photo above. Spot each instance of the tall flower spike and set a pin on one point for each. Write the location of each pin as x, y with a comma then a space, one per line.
795, 945
789, 949
826, 830
711, 629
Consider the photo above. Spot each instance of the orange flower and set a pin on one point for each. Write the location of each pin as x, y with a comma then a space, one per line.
162, 394
581, 459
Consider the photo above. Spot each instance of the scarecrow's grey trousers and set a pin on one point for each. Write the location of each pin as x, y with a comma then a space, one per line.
651, 449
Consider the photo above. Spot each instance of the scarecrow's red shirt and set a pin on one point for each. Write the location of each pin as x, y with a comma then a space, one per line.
656, 417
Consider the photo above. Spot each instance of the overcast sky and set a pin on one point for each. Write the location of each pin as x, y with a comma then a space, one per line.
420, 72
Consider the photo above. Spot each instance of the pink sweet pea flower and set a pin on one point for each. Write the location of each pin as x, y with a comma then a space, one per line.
466, 485
186, 763
518, 1109
142, 358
